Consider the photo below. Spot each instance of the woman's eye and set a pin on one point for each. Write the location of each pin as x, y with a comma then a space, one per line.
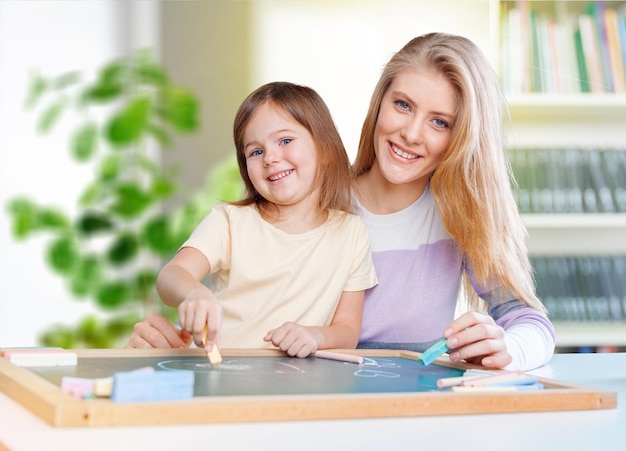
440, 123
402, 104
285, 141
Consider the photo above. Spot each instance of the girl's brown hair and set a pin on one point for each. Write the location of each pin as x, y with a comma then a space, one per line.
472, 184
305, 106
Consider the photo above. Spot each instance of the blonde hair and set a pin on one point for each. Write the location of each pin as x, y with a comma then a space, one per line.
472, 184
304, 105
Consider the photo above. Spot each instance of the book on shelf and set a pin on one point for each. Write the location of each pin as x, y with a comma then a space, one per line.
554, 180
563, 47
582, 288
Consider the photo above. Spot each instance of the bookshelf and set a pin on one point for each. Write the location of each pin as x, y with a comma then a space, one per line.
556, 107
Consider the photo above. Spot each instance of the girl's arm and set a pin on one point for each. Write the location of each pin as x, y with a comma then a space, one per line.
180, 285
342, 333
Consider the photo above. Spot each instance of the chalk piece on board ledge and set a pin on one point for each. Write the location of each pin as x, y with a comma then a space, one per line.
103, 387
138, 386
30, 357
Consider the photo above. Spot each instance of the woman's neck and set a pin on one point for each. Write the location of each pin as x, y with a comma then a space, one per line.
380, 197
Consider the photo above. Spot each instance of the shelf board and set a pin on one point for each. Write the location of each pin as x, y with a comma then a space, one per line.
590, 333
537, 106
597, 221
576, 234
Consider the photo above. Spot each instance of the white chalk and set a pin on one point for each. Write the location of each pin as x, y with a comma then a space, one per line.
41, 357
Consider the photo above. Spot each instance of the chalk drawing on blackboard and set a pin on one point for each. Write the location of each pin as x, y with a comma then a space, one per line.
377, 368
230, 366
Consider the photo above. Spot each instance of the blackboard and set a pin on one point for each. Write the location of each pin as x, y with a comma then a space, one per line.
267, 385
273, 375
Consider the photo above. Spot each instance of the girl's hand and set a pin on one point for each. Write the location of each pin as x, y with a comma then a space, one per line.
476, 338
198, 311
156, 332
294, 339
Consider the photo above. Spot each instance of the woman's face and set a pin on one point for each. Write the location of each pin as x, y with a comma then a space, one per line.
414, 125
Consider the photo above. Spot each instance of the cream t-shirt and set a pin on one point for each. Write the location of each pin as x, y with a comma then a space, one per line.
265, 277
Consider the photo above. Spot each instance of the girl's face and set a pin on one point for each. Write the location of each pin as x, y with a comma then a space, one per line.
281, 158
414, 125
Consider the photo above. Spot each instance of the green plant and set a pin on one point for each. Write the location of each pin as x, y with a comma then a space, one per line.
111, 249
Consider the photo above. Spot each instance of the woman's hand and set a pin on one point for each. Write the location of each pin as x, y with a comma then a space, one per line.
476, 338
157, 332
294, 339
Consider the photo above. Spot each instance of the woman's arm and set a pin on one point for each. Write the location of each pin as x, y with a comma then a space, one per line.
522, 339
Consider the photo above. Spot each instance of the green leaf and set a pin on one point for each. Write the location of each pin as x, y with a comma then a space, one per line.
163, 188
59, 336
113, 294
102, 93
53, 219
157, 236
51, 115
124, 248
25, 217
108, 86
92, 194
145, 282
92, 332
127, 127
86, 277
122, 325
151, 73
180, 108
62, 255
65, 80
36, 89
91, 223
112, 73
84, 142
160, 135
131, 200
110, 167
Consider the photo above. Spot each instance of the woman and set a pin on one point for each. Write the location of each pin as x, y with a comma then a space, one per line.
433, 186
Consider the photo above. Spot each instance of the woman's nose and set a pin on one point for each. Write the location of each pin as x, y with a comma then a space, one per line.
413, 130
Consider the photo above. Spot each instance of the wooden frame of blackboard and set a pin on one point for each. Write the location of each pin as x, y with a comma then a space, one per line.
47, 401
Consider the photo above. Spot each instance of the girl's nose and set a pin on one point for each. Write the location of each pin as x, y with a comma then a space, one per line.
271, 156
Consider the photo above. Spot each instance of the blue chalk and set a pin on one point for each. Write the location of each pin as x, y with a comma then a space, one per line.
137, 386
527, 380
433, 352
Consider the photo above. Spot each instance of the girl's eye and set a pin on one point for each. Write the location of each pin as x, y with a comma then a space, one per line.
441, 123
285, 141
402, 105
255, 153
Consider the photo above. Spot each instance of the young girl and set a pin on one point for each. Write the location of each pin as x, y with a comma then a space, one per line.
289, 262
433, 186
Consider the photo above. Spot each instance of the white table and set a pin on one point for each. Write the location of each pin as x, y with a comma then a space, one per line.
590, 430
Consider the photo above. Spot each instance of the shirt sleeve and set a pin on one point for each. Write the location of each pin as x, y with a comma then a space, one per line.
212, 238
530, 338
363, 273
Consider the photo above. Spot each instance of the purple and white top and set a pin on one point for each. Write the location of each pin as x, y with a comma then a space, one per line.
419, 269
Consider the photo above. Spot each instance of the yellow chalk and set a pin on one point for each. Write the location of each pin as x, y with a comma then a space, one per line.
214, 356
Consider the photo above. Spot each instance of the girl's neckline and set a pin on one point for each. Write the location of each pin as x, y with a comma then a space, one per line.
296, 228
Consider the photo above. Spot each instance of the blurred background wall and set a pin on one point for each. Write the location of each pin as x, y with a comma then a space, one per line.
221, 50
